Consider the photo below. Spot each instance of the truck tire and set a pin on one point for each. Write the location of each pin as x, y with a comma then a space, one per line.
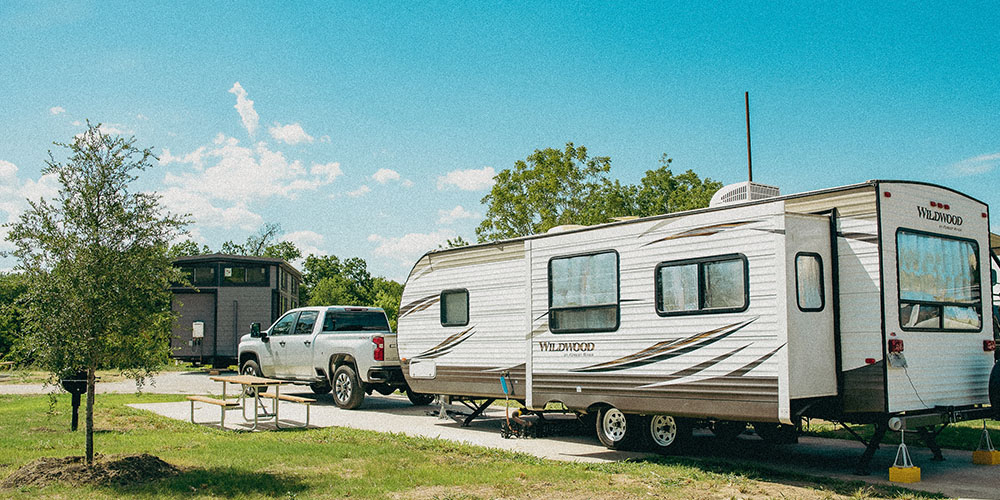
995, 390
347, 390
666, 434
251, 368
418, 398
617, 430
320, 387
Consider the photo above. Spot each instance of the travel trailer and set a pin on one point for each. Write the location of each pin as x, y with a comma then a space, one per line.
866, 303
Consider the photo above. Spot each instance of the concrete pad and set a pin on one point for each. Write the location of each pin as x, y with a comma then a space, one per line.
955, 477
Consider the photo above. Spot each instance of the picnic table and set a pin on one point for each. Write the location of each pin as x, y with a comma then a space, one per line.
252, 388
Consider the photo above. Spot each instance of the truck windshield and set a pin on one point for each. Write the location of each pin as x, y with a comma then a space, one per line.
939, 285
352, 321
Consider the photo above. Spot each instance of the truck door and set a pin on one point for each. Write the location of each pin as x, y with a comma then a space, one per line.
297, 356
812, 361
276, 346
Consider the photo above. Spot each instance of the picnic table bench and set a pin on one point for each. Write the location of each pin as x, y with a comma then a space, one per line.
223, 404
294, 399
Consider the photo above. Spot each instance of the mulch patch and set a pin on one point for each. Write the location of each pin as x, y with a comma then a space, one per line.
118, 470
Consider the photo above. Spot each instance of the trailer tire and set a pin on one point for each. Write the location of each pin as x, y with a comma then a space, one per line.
777, 433
251, 368
995, 390
347, 390
665, 433
617, 430
728, 430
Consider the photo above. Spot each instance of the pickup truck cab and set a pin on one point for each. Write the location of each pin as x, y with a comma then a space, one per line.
348, 349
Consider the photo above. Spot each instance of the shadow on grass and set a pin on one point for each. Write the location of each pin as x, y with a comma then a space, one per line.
226, 482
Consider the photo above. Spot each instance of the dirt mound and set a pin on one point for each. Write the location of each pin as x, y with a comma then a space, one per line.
107, 470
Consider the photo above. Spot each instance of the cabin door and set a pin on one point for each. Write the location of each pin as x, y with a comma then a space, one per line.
809, 290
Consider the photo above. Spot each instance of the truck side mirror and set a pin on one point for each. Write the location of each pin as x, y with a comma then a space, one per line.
255, 330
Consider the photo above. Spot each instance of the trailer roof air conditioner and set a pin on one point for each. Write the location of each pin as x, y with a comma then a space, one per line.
743, 191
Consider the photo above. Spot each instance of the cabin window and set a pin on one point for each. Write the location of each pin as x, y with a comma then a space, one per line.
939, 285
200, 276
245, 275
706, 285
809, 281
583, 293
455, 308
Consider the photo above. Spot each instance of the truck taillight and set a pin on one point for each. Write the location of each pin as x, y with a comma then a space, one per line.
379, 348
989, 345
895, 345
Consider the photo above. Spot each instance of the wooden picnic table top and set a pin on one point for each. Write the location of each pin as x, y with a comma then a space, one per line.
248, 380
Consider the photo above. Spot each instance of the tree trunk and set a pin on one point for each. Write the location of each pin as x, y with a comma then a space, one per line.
90, 415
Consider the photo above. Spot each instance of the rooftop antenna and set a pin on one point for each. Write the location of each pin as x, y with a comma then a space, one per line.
746, 96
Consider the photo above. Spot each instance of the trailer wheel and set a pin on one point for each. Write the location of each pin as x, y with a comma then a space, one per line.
995, 390
777, 433
347, 391
617, 430
665, 433
728, 430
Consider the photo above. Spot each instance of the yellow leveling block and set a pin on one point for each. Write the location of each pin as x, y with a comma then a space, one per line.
985, 454
903, 470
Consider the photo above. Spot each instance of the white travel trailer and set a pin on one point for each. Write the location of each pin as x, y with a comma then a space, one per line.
862, 303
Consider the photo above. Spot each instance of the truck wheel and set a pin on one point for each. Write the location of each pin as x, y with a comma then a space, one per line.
666, 434
347, 390
251, 368
728, 430
617, 430
320, 387
776, 433
418, 398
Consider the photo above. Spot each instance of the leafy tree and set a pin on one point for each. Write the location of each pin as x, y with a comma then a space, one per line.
12, 293
547, 189
388, 295
457, 242
554, 187
264, 243
188, 248
328, 280
96, 264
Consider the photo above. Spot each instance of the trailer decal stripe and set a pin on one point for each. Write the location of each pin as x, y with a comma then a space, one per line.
701, 231
678, 377
448, 343
412, 306
667, 349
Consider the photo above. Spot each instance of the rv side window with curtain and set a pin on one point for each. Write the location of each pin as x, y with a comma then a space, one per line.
455, 308
939, 285
809, 281
583, 293
705, 285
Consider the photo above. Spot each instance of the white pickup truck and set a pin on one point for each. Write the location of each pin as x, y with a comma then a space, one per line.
348, 349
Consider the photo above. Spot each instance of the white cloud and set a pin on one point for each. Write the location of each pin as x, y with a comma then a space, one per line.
207, 214
468, 180
244, 107
326, 171
407, 183
292, 133
408, 247
325, 138
77, 123
385, 175
142, 116
976, 165
55, 110
457, 213
308, 242
361, 191
194, 158
14, 195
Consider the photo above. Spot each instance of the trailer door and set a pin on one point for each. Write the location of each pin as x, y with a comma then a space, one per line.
809, 290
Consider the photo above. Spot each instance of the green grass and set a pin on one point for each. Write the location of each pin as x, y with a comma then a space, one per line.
958, 436
31, 375
347, 463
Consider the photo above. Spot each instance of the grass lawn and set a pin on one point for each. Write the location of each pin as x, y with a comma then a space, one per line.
30, 375
342, 463
958, 436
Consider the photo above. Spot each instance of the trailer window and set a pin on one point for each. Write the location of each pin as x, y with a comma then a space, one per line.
809, 281
583, 293
706, 285
939, 285
455, 308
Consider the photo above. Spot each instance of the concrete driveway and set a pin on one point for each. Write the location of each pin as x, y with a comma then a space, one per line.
955, 477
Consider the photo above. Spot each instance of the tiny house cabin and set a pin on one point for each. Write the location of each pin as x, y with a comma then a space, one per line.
229, 293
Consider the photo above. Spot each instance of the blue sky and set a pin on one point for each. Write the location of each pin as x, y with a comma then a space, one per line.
372, 129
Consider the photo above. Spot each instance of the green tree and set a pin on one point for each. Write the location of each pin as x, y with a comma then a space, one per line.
96, 263
388, 295
264, 243
328, 280
554, 187
12, 293
188, 248
547, 189
457, 242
